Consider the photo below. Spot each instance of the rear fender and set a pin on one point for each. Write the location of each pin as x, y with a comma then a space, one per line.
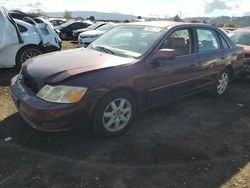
48, 34
9, 33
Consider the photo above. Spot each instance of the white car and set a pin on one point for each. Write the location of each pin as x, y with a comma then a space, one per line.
20, 40
88, 37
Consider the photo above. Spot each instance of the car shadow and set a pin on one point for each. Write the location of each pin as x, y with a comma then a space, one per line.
188, 132
6, 75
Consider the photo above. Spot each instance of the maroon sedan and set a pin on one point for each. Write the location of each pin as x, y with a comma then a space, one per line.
131, 68
241, 37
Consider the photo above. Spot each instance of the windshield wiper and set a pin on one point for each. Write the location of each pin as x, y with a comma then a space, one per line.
102, 48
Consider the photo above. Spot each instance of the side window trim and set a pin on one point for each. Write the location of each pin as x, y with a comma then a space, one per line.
221, 37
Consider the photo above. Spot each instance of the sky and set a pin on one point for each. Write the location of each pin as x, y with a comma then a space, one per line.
145, 8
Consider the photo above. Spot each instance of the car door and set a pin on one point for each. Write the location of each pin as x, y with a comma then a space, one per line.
74, 26
69, 29
211, 56
172, 78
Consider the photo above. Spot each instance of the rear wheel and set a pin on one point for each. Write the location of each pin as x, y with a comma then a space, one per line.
27, 53
114, 114
222, 83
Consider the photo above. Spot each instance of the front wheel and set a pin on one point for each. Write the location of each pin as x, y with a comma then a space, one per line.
222, 83
114, 114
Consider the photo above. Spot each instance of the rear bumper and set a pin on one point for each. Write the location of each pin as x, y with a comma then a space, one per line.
47, 116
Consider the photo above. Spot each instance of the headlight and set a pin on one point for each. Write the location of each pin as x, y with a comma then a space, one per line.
61, 94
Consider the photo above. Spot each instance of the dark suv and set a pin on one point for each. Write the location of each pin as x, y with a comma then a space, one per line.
66, 29
95, 26
129, 69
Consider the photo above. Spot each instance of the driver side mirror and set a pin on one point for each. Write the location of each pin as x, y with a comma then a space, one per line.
164, 54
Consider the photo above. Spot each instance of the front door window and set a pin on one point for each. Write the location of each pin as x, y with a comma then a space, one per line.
180, 41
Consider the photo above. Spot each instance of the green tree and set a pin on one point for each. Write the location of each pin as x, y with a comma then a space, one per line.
92, 18
195, 21
177, 18
139, 17
230, 24
67, 14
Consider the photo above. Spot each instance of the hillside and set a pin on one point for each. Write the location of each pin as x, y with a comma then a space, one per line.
97, 15
240, 21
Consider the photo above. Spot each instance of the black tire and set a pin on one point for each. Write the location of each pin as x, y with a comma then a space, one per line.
220, 89
63, 36
22, 51
98, 121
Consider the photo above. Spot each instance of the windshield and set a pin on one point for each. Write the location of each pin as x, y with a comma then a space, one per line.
241, 38
130, 41
94, 26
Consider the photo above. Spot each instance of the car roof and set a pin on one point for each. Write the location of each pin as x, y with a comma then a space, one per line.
166, 24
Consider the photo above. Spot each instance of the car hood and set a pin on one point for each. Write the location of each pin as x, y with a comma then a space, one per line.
57, 66
92, 32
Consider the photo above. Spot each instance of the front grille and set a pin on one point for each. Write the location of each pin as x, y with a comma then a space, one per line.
30, 82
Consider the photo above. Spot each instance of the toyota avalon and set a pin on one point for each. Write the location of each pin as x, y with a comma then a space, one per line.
129, 69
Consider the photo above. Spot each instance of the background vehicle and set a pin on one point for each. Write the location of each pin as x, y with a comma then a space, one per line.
91, 27
225, 31
16, 14
57, 22
129, 69
66, 29
88, 37
241, 37
20, 40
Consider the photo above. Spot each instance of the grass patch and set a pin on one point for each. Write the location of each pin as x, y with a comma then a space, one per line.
66, 45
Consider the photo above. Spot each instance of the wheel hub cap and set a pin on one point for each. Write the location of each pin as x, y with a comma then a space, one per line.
117, 115
222, 83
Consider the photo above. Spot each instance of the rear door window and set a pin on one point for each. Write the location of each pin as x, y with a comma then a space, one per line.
207, 40
224, 43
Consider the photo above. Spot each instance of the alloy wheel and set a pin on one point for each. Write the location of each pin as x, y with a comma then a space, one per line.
63, 36
222, 83
117, 115
29, 53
